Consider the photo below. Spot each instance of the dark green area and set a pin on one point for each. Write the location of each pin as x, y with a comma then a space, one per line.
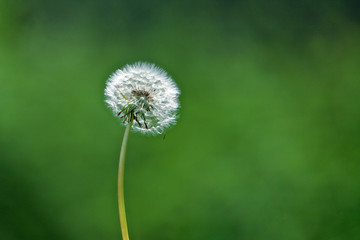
266, 146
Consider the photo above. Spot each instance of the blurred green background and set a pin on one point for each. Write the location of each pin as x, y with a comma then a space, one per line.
266, 146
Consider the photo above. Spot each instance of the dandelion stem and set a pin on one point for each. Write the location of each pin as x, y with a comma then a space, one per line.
121, 201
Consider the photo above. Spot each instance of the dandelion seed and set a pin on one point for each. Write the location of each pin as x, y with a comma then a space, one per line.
144, 93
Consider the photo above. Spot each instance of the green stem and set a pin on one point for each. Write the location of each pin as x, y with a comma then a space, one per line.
121, 201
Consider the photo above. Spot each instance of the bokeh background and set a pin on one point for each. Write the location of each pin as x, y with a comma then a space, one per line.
266, 146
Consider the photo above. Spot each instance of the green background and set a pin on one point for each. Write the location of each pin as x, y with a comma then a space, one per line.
266, 145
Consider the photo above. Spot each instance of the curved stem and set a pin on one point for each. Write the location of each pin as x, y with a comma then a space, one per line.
121, 201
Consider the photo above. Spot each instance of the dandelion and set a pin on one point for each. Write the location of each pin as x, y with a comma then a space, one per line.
145, 98
145, 94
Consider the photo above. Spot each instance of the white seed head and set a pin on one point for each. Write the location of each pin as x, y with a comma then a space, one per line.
145, 94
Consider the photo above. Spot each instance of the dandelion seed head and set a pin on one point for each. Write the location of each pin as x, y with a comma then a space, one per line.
145, 94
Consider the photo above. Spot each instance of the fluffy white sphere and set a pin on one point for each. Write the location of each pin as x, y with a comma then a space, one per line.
145, 94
